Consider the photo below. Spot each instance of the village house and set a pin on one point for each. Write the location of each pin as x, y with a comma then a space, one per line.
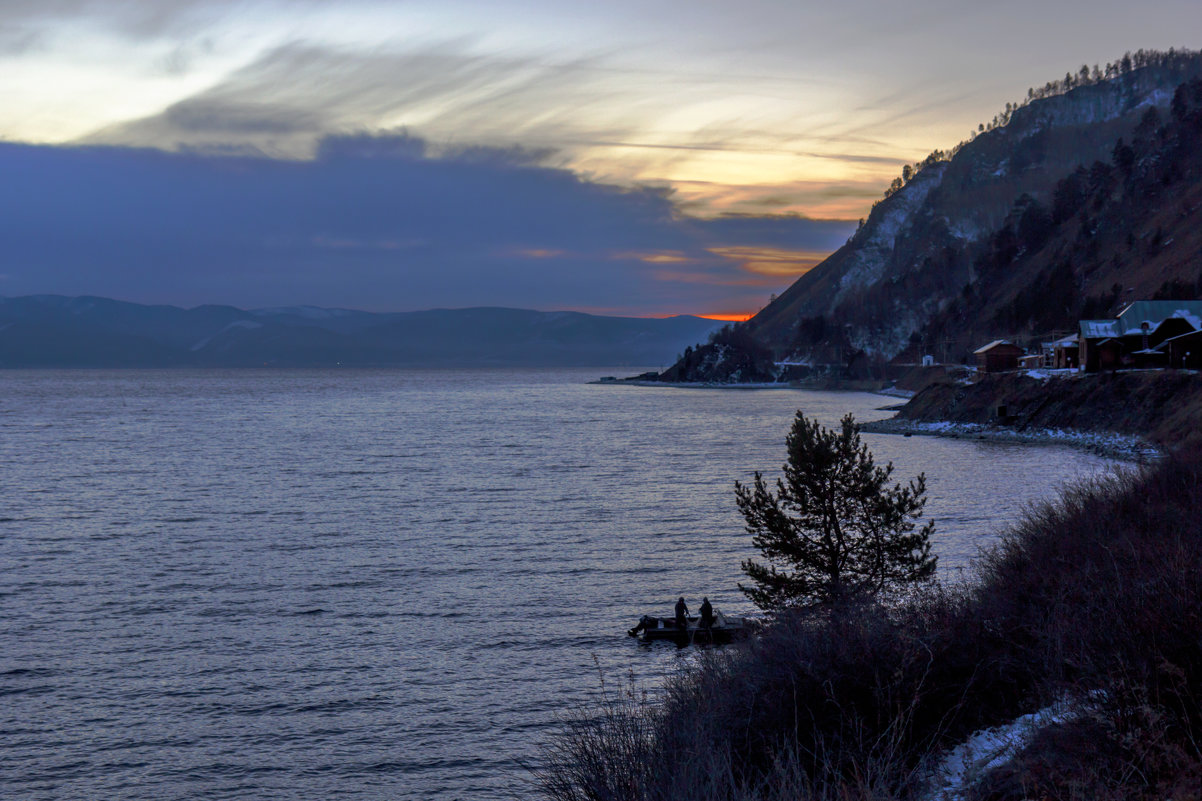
1148, 333
1066, 353
998, 356
1184, 351
1032, 361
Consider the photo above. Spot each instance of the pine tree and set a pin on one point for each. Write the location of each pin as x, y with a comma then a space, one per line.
834, 530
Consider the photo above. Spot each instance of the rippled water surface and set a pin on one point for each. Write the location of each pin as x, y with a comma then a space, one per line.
318, 584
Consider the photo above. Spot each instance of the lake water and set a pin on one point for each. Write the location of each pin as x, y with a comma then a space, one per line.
377, 584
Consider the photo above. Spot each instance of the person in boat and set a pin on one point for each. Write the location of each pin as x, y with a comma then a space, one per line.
707, 615
682, 615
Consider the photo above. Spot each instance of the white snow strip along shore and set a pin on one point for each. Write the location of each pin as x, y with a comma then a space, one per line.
1115, 446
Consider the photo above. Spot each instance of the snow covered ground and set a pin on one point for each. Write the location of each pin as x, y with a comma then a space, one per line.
990, 748
1117, 446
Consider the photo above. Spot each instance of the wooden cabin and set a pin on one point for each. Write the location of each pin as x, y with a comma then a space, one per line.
998, 356
1137, 336
1184, 351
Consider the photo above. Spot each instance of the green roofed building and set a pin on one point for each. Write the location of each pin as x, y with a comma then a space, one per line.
1139, 336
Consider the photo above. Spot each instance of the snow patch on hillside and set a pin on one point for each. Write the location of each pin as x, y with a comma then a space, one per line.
876, 242
1159, 98
1091, 104
969, 761
964, 229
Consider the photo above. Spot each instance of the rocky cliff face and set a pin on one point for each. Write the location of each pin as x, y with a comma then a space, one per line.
917, 251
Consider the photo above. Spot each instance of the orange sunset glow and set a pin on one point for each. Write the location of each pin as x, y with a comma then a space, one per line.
727, 318
774, 262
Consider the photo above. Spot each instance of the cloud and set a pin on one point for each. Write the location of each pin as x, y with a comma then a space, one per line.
773, 263
241, 119
375, 222
776, 230
16, 40
754, 97
579, 112
836, 201
291, 97
136, 19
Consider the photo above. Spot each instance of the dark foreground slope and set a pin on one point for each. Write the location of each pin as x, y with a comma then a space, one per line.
53, 331
1094, 601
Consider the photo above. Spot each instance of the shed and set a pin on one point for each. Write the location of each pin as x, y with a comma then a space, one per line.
1032, 361
1106, 354
1092, 334
998, 356
1184, 350
1066, 352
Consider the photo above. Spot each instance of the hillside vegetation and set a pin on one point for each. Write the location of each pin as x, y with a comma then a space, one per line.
1084, 197
1092, 603
1124, 228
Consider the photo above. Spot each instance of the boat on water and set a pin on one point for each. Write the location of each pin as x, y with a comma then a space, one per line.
724, 629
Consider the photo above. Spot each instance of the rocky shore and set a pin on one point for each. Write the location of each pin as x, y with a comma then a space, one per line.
1124, 447
1131, 415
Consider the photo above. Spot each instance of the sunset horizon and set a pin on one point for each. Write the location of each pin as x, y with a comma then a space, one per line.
654, 161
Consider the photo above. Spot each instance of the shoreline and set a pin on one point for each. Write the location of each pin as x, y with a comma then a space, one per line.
633, 382
1121, 447
871, 387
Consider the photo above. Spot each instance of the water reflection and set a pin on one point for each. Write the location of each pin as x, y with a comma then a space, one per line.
477, 543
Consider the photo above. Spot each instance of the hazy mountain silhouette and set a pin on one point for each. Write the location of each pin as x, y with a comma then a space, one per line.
57, 331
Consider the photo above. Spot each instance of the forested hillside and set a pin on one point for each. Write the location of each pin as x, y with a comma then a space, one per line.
1071, 202
1124, 228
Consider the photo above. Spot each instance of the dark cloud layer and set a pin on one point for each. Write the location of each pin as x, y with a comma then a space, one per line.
372, 222
776, 230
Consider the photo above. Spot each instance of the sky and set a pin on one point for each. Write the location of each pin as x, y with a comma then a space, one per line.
638, 158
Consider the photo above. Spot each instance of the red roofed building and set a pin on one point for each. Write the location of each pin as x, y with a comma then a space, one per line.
998, 356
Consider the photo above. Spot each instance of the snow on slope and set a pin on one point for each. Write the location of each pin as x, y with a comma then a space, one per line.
875, 245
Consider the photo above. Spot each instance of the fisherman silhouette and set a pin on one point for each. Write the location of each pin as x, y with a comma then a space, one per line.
707, 616
682, 616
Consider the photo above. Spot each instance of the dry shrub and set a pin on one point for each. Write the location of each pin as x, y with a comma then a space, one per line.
1098, 594
843, 705
1101, 592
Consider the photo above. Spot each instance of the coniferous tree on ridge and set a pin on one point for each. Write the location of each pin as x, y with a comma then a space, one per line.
834, 529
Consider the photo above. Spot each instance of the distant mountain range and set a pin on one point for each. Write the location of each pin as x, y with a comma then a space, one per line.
57, 331
1084, 197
